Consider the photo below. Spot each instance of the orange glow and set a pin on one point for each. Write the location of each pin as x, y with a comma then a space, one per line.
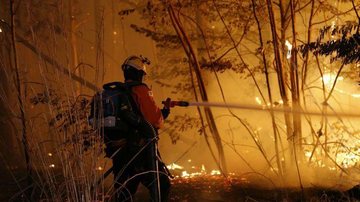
289, 47
329, 78
188, 174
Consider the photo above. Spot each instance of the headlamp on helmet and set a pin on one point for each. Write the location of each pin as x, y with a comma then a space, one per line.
138, 63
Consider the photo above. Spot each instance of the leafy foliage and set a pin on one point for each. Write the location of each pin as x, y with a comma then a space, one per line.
218, 65
70, 117
39, 22
344, 44
203, 27
163, 40
341, 145
126, 12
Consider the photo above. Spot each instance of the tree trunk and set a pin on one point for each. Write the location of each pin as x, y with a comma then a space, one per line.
208, 113
56, 65
7, 126
273, 122
281, 72
74, 48
295, 92
99, 41
294, 80
20, 96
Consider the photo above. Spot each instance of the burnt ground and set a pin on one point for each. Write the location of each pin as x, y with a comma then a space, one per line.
212, 189
216, 189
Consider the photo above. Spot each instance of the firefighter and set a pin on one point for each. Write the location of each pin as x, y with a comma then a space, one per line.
132, 163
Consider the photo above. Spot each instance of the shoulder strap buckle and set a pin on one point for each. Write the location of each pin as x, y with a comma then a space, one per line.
113, 85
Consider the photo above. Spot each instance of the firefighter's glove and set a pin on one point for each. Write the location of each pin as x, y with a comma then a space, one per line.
165, 112
167, 103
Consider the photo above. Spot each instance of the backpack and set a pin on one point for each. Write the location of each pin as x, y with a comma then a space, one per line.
113, 109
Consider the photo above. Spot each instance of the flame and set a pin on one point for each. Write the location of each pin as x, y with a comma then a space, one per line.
257, 99
308, 154
329, 78
356, 95
345, 159
215, 172
289, 47
186, 174
174, 166
333, 26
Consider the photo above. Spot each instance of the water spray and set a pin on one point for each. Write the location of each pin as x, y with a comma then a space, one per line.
278, 108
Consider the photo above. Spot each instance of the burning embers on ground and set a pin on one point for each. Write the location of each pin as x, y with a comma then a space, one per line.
196, 183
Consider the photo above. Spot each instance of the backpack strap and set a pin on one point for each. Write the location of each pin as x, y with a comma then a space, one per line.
117, 84
133, 83
113, 85
129, 85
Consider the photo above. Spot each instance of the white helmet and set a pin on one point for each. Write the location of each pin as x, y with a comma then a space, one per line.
136, 62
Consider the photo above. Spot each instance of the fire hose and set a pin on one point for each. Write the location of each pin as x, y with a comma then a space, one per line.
168, 103
278, 108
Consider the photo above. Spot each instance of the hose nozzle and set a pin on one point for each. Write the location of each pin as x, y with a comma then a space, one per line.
168, 103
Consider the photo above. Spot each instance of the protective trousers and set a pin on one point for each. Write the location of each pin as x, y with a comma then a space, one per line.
132, 167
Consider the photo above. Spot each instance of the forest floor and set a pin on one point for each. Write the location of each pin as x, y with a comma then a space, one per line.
215, 189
